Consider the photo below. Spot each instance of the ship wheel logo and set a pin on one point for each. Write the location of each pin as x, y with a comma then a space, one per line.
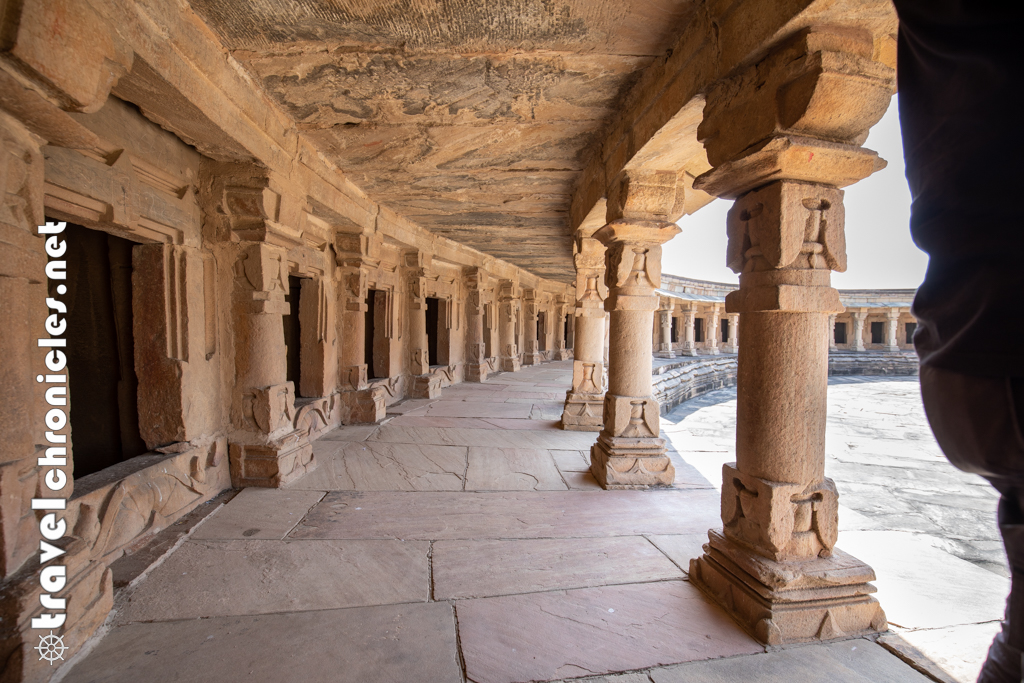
51, 648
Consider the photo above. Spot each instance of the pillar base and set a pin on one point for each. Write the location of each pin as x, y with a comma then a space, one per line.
563, 354
892, 349
665, 354
620, 462
426, 386
687, 351
730, 349
533, 358
364, 406
509, 363
711, 351
477, 372
799, 601
270, 465
583, 412
854, 347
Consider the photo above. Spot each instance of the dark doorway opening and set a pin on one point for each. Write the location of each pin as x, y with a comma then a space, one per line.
725, 331
911, 328
877, 333
368, 334
840, 334
698, 330
565, 332
674, 330
292, 333
433, 318
542, 337
488, 330
103, 387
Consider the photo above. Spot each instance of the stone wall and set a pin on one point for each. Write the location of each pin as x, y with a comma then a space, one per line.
904, 363
678, 381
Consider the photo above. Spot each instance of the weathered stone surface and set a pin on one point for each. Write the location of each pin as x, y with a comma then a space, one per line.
235, 578
537, 636
949, 654
387, 643
259, 514
851, 661
523, 438
379, 466
440, 516
512, 469
474, 569
680, 548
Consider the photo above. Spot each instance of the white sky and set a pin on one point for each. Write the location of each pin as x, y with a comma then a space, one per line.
878, 245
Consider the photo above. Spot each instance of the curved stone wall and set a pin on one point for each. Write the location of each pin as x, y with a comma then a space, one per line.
677, 381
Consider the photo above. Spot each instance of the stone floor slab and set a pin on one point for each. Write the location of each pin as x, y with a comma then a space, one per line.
454, 516
512, 469
572, 461
257, 513
509, 438
472, 569
471, 408
959, 651
412, 642
681, 548
564, 634
349, 433
850, 661
377, 466
920, 586
229, 578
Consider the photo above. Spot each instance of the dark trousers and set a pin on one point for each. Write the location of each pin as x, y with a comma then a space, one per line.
979, 423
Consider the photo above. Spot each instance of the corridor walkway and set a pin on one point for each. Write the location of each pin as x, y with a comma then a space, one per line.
460, 539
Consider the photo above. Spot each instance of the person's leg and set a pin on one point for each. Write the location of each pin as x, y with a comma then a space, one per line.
978, 424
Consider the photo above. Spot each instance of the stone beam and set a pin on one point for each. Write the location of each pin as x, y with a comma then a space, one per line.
656, 129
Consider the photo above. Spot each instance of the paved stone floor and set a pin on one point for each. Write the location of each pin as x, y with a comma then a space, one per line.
464, 539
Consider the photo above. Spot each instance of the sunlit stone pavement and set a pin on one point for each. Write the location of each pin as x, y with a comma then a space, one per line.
927, 529
463, 539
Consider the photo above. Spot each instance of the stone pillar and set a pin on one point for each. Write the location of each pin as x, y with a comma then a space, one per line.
424, 383
263, 450
711, 344
360, 403
892, 318
532, 355
562, 350
476, 360
774, 566
508, 313
857, 339
733, 345
665, 334
688, 346
832, 332
629, 452
584, 402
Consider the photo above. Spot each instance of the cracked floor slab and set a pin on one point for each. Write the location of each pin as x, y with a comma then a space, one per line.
546, 636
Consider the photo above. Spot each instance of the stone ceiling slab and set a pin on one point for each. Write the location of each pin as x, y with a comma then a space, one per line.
472, 118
